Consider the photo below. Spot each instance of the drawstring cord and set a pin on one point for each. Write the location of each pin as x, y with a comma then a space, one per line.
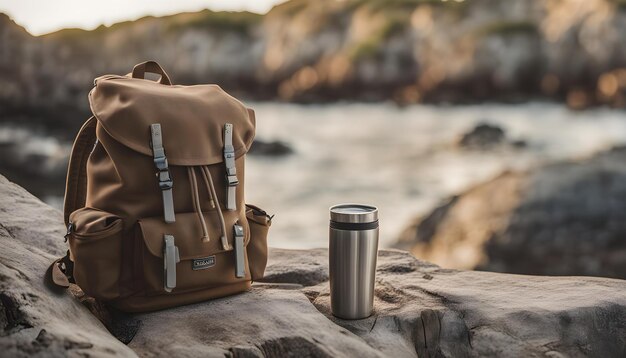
208, 187
208, 180
195, 198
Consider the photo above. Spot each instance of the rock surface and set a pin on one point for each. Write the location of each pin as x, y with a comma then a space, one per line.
271, 148
420, 309
561, 219
34, 320
483, 136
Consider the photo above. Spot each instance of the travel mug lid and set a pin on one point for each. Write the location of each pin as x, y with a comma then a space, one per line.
353, 213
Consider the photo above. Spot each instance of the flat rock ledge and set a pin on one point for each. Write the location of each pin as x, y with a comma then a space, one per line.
420, 309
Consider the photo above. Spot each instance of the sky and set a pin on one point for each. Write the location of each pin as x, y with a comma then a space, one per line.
44, 16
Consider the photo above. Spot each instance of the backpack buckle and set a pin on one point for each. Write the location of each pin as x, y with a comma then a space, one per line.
229, 162
232, 180
165, 180
231, 169
163, 173
161, 162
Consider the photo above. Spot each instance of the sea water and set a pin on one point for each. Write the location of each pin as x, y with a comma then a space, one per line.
404, 160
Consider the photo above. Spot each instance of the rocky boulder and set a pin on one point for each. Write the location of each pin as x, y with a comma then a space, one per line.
562, 219
483, 136
269, 148
420, 309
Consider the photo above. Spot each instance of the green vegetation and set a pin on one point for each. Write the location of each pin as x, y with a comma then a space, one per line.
508, 28
372, 46
240, 22
68, 34
366, 49
621, 4
289, 8
77, 34
402, 4
397, 13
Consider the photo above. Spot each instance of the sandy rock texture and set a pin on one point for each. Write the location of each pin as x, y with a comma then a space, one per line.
562, 219
420, 309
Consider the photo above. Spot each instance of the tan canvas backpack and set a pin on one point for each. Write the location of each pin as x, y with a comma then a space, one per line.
154, 202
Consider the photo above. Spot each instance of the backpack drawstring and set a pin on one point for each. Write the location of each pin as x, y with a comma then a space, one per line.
208, 188
208, 180
195, 198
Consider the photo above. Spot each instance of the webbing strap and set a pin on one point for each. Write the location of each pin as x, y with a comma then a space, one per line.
240, 268
171, 257
163, 173
76, 183
231, 170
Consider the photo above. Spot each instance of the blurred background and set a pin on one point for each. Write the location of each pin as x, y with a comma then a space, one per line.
488, 132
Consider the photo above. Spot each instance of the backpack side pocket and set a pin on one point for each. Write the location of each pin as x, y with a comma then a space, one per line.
95, 248
259, 223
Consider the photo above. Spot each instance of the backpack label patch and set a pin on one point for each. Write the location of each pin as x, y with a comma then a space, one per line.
203, 263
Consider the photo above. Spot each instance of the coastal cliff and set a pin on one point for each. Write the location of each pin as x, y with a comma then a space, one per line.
307, 51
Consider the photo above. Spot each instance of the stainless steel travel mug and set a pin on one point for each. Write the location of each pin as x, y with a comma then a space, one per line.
353, 247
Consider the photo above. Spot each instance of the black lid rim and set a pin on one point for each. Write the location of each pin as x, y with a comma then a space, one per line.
353, 226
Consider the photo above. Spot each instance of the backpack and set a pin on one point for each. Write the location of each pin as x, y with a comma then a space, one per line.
154, 201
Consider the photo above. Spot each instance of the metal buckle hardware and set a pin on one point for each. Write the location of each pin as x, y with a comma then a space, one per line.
161, 162
165, 180
70, 228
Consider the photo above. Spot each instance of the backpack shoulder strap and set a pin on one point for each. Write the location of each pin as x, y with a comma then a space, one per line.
60, 273
76, 183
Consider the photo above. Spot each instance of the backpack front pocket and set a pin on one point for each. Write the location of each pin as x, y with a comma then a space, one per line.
95, 247
175, 259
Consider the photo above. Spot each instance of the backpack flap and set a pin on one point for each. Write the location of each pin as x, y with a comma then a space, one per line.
192, 118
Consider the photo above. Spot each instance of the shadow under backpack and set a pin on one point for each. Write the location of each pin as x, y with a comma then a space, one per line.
141, 241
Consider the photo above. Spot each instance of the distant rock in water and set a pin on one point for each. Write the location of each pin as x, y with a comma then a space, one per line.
272, 148
519, 143
487, 136
562, 219
483, 136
